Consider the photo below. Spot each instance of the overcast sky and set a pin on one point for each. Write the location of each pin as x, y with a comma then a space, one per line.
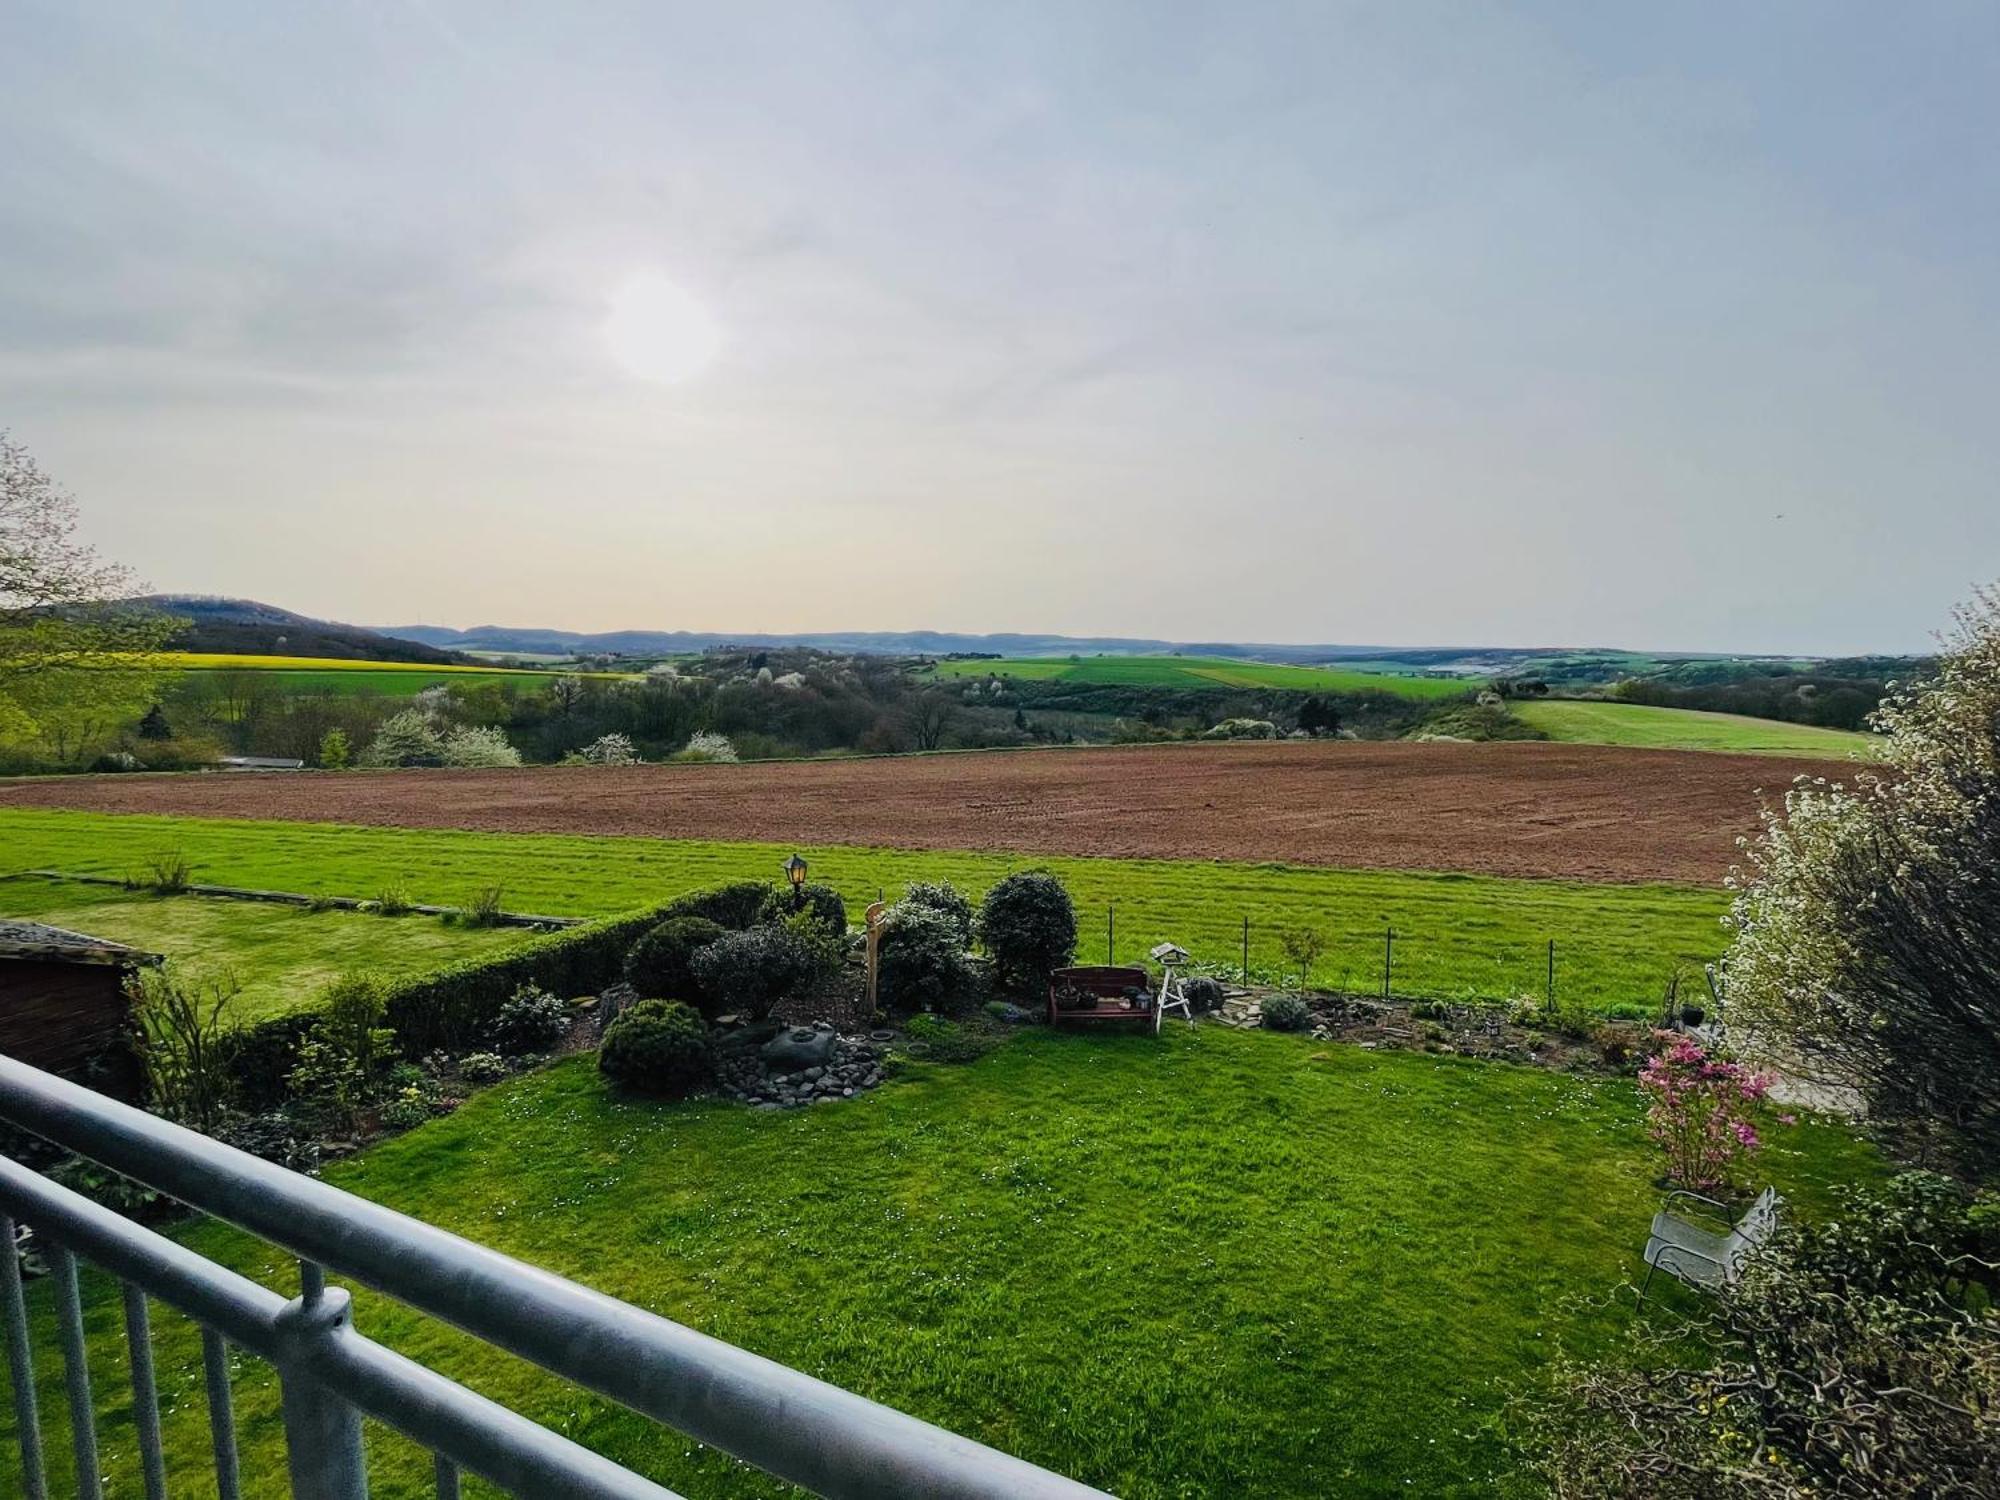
1650, 325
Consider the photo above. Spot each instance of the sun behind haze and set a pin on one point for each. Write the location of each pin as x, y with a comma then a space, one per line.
1656, 326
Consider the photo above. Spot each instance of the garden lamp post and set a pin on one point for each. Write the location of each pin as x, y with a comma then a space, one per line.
795, 871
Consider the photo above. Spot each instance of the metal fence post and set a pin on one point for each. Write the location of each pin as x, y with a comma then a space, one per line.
322, 1432
21, 1367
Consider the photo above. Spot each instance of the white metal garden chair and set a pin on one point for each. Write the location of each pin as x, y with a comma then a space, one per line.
1706, 1259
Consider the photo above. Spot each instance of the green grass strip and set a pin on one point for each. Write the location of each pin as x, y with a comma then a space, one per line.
1456, 936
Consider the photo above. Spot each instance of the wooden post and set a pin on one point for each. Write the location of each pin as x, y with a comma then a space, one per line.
1110, 933
873, 919
1388, 957
1552, 976
1246, 951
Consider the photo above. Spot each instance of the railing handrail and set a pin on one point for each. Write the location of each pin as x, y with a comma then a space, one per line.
467, 1428
825, 1439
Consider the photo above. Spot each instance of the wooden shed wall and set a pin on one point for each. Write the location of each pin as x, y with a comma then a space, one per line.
69, 1019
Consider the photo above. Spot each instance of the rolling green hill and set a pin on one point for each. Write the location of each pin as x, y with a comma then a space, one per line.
1643, 727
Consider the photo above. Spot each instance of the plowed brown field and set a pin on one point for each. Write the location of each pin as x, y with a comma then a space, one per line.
1579, 812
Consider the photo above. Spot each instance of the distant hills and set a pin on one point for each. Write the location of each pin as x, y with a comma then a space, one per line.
541, 641
246, 627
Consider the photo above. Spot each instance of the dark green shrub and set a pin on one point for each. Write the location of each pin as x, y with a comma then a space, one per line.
821, 902
529, 1021
946, 899
1286, 1013
1203, 995
449, 1009
661, 962
746, 973
658, 1047
921, 963
734, 906
1028, 925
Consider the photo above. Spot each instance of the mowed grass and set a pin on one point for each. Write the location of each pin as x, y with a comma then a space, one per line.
1218, 1263
281, 955
1646, 727
1203, 672
1456, 936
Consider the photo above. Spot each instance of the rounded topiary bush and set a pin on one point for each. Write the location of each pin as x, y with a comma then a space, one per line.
658, 1047
1028, 925
1286, 1013
749, 972
821, 903
947, 900
921, 962
531, 1020
661, 963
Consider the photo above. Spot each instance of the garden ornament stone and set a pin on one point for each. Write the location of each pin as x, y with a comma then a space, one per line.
799, 1048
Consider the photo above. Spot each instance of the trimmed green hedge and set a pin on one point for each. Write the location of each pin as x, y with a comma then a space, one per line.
449, 1008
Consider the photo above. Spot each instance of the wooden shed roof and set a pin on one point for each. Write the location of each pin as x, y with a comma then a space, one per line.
45, 944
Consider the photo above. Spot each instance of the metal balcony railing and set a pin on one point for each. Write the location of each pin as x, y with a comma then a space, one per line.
818, 1436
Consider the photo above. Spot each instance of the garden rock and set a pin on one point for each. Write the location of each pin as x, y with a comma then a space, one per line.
799, 1048
766, 1079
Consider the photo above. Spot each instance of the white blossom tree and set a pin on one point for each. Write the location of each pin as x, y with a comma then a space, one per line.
1867, 926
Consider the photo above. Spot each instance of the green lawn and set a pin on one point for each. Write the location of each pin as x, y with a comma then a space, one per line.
1456, 935
1222, 1264
1203, 672
281, 954
1646, 727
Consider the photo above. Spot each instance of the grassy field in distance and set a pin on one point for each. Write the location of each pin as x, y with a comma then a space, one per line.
282, 955
1203, 672
1364, 1255
1456, 936
313, 674
1644, 727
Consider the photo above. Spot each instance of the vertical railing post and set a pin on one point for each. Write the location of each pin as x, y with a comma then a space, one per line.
76, 1374
145, 1393
221, 1414
21, 1367
322, 1432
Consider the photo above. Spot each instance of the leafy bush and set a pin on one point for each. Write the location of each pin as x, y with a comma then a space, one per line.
182, 1047
393, 901
1853, 1359
167, 874
946, 899
531, 1021
821, 902
708, 746
736, 905
658, 1047
275, 1136
334, 753
408, 1108
482, 1067
484, 909
1698, 1109
1286, 1013
921, 963
749, 972
606, 750
480, 747
660, 964
406, 739
1028, 925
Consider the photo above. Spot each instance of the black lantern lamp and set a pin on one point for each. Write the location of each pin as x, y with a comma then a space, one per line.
795, 871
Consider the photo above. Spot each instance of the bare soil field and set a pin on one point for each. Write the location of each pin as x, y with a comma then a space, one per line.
1576, 812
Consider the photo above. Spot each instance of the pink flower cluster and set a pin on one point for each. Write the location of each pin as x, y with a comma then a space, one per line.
1698, 1108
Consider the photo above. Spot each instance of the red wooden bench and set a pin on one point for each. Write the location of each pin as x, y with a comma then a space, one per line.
1122, 992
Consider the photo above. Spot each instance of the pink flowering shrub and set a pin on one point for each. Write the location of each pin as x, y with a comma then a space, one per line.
1698, 1107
